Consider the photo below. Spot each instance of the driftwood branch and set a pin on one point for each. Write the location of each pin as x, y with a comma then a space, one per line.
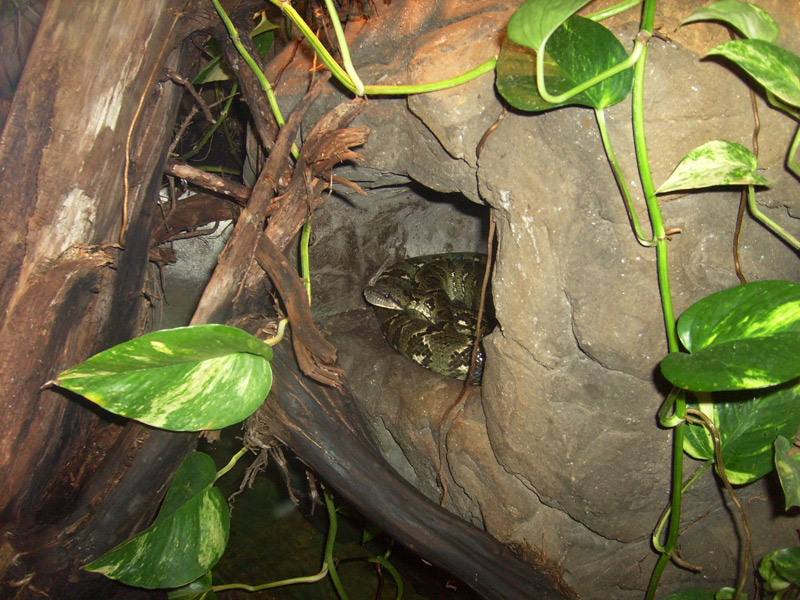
329, 143
236, 191
235, 259
315, 354
256, 99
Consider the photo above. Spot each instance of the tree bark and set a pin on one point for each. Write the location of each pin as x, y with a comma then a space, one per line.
72, 483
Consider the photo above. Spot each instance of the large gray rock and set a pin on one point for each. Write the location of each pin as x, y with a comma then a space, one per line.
561, 450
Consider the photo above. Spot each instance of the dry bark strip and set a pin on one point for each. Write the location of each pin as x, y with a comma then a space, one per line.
236, 191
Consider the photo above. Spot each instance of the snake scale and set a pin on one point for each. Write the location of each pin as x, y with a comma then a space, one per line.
427, 308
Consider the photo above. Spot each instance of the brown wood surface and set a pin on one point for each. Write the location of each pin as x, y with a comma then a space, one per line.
73, 482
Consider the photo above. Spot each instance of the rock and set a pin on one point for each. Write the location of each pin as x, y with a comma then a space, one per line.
561, 451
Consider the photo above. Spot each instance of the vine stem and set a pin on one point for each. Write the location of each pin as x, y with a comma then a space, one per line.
265, 586
234, 459
262, 80
613, 10
676, 402
334, 67
329, 562
344, 49
634, 58
745, 550
600, 115
435, 86
769, 223
656, 539
342, 74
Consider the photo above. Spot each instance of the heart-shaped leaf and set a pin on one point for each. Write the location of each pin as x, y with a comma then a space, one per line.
535, 21
746, 337
577, 51
186, 539
788, 467
718, 162
776, 68
748, 424
184, 379
751, 21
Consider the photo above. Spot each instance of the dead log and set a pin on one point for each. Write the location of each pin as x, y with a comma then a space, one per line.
73, 481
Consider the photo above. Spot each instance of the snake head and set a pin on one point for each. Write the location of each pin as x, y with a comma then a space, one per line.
386, 297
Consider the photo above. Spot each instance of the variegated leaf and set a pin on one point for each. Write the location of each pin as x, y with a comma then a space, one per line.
750, 20
577, 51
745, 337
718, 162
186, 539
777, 69
780, 570
788, 467
184, 379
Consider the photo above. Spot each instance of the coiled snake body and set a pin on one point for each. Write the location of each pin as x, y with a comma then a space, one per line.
427, 307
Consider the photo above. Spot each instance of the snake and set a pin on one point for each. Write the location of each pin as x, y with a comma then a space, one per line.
427, 308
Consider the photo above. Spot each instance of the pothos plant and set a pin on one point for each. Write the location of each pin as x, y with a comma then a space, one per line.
734, 355
744, 340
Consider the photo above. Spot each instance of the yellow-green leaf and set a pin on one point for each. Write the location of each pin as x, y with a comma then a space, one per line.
184, 379
750, 20
715, 163
774, 67
186, 539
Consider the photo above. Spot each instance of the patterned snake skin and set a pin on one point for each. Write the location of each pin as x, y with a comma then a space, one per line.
427, 307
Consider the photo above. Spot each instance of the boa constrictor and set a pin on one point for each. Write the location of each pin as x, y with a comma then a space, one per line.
427, 307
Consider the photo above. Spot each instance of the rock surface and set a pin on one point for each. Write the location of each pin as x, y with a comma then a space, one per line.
561, 450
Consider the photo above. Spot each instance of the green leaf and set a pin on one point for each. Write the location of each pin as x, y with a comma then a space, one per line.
185, 379
186, 539
780, 569
748, 424
729, 593
788, 468
578, 50
750, 20
516, 77
216, 70
691, 595
199, 589
535, 21
745, 337
776, 68
718, 162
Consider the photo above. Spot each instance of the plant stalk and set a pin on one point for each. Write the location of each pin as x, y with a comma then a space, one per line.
600, 115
